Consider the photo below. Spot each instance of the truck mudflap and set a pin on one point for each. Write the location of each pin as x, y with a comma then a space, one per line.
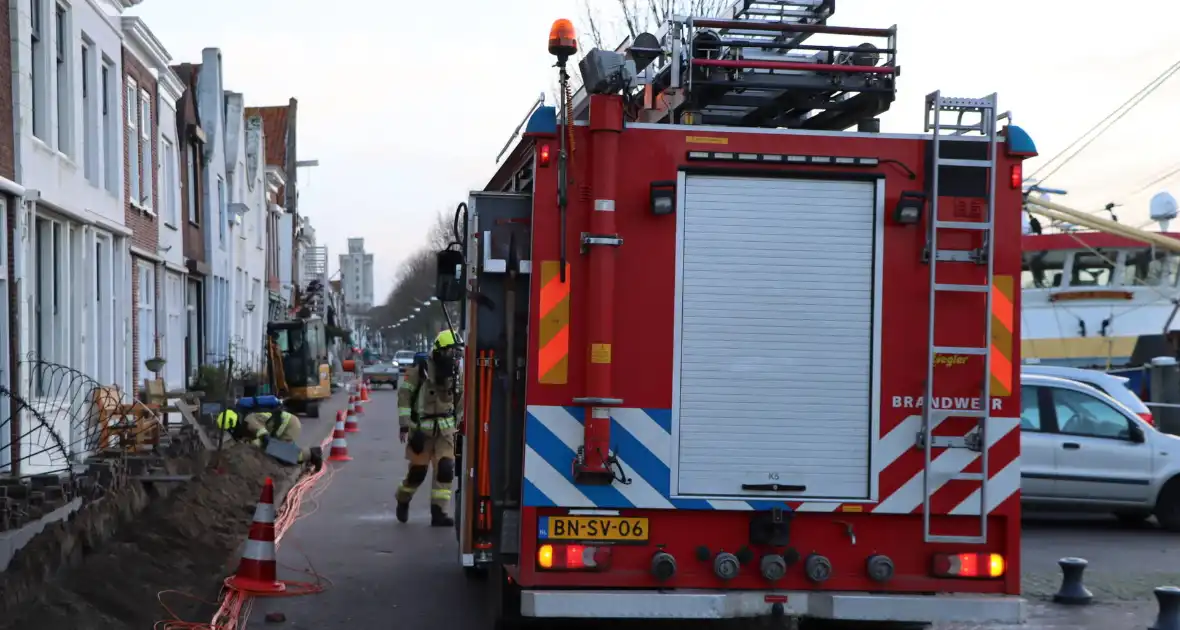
688, 604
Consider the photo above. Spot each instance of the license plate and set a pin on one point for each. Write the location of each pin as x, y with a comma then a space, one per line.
611, 528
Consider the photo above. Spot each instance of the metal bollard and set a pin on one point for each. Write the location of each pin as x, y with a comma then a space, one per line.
1168, 598
1072, 591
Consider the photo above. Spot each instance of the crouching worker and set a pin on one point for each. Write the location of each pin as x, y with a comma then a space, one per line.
275, 433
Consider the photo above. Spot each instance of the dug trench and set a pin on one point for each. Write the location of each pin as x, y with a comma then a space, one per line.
166, 563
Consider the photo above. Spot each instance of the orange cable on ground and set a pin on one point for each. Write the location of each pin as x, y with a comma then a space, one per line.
235, 605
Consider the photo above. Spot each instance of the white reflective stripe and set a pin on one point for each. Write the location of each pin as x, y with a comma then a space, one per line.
259, 550
604, 205
339, 442
264, 513
404, 411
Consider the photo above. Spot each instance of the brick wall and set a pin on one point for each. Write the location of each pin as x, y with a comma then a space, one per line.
8, 169
145, 229
7, 134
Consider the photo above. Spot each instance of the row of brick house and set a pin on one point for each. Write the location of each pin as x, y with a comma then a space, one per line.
146, 212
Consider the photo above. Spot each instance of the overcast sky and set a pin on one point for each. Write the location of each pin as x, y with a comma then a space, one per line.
406, 104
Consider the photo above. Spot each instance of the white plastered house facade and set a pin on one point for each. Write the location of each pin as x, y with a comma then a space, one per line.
162, 316
218, 286
245, 172
71, 246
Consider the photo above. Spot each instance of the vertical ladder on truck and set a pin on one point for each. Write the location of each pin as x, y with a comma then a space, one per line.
944, 132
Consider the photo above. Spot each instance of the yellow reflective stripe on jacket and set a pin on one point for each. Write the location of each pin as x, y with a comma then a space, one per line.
286, 420
443, 424
441, 494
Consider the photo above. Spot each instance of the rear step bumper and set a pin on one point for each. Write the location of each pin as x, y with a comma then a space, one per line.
593, 604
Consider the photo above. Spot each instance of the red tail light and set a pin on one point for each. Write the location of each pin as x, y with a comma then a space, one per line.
543, 155
1017, 175
1146, 415
573, 558
969, 565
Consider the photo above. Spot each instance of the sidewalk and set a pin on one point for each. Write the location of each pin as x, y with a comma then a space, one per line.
382, 572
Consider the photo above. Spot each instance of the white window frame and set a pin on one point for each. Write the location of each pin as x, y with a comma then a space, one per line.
132, 107
147, 159
168, 182
90, 113
193, 196
145, 312
64, 51
110, 163
38, 68
222, 220
260, 222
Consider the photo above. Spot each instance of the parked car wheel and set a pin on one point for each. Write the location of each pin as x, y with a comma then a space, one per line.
1167, 507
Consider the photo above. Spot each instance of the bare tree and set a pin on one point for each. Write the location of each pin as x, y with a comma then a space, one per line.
414, 285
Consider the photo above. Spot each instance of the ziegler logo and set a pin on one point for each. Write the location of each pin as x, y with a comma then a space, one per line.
948, 360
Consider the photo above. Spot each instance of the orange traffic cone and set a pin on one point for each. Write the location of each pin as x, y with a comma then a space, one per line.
360, 409
365, 391
339, 452
350, 419
258, 570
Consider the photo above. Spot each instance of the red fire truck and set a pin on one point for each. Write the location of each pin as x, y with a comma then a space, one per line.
727, 356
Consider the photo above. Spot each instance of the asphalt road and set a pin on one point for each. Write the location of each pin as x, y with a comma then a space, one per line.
385, 574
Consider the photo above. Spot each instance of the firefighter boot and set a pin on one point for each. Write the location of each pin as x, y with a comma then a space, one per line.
403, 511
316, 458
439, 518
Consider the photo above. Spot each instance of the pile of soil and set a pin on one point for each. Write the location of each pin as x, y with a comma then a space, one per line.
187, 542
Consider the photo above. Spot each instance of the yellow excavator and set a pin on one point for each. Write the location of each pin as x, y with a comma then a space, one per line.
297, 353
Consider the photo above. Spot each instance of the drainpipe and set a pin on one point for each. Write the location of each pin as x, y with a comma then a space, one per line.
606, 123
15, 222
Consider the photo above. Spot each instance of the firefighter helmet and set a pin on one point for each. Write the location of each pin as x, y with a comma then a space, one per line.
445, 339
227, 420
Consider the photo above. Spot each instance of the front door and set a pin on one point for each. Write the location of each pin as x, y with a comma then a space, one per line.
1038, 445
1096, 458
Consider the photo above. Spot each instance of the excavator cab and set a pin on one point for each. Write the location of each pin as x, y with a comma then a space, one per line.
299, 363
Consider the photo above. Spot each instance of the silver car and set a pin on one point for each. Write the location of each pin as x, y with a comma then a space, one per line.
1081, 450
1109, 384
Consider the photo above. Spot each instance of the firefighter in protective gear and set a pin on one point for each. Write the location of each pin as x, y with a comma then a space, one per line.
427, 406
259, 427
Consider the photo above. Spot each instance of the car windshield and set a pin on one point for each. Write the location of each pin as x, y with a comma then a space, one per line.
403, 356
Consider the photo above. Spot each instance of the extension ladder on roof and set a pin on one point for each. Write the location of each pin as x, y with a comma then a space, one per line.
949, 141
751, 67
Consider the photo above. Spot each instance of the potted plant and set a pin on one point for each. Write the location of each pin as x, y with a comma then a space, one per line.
155, 364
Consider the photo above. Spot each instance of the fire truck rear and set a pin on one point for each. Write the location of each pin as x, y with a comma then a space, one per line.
726, 357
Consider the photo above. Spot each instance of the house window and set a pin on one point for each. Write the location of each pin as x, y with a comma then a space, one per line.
259, 224
89, 116
221, 221
110, 148
132, 107
194, 207
64, 111
146, 311
169, 183
38, 74
148, 167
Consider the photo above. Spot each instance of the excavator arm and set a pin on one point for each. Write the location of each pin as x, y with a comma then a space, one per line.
276, 367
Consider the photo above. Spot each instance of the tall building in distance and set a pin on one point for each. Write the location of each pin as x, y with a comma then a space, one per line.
356, 277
